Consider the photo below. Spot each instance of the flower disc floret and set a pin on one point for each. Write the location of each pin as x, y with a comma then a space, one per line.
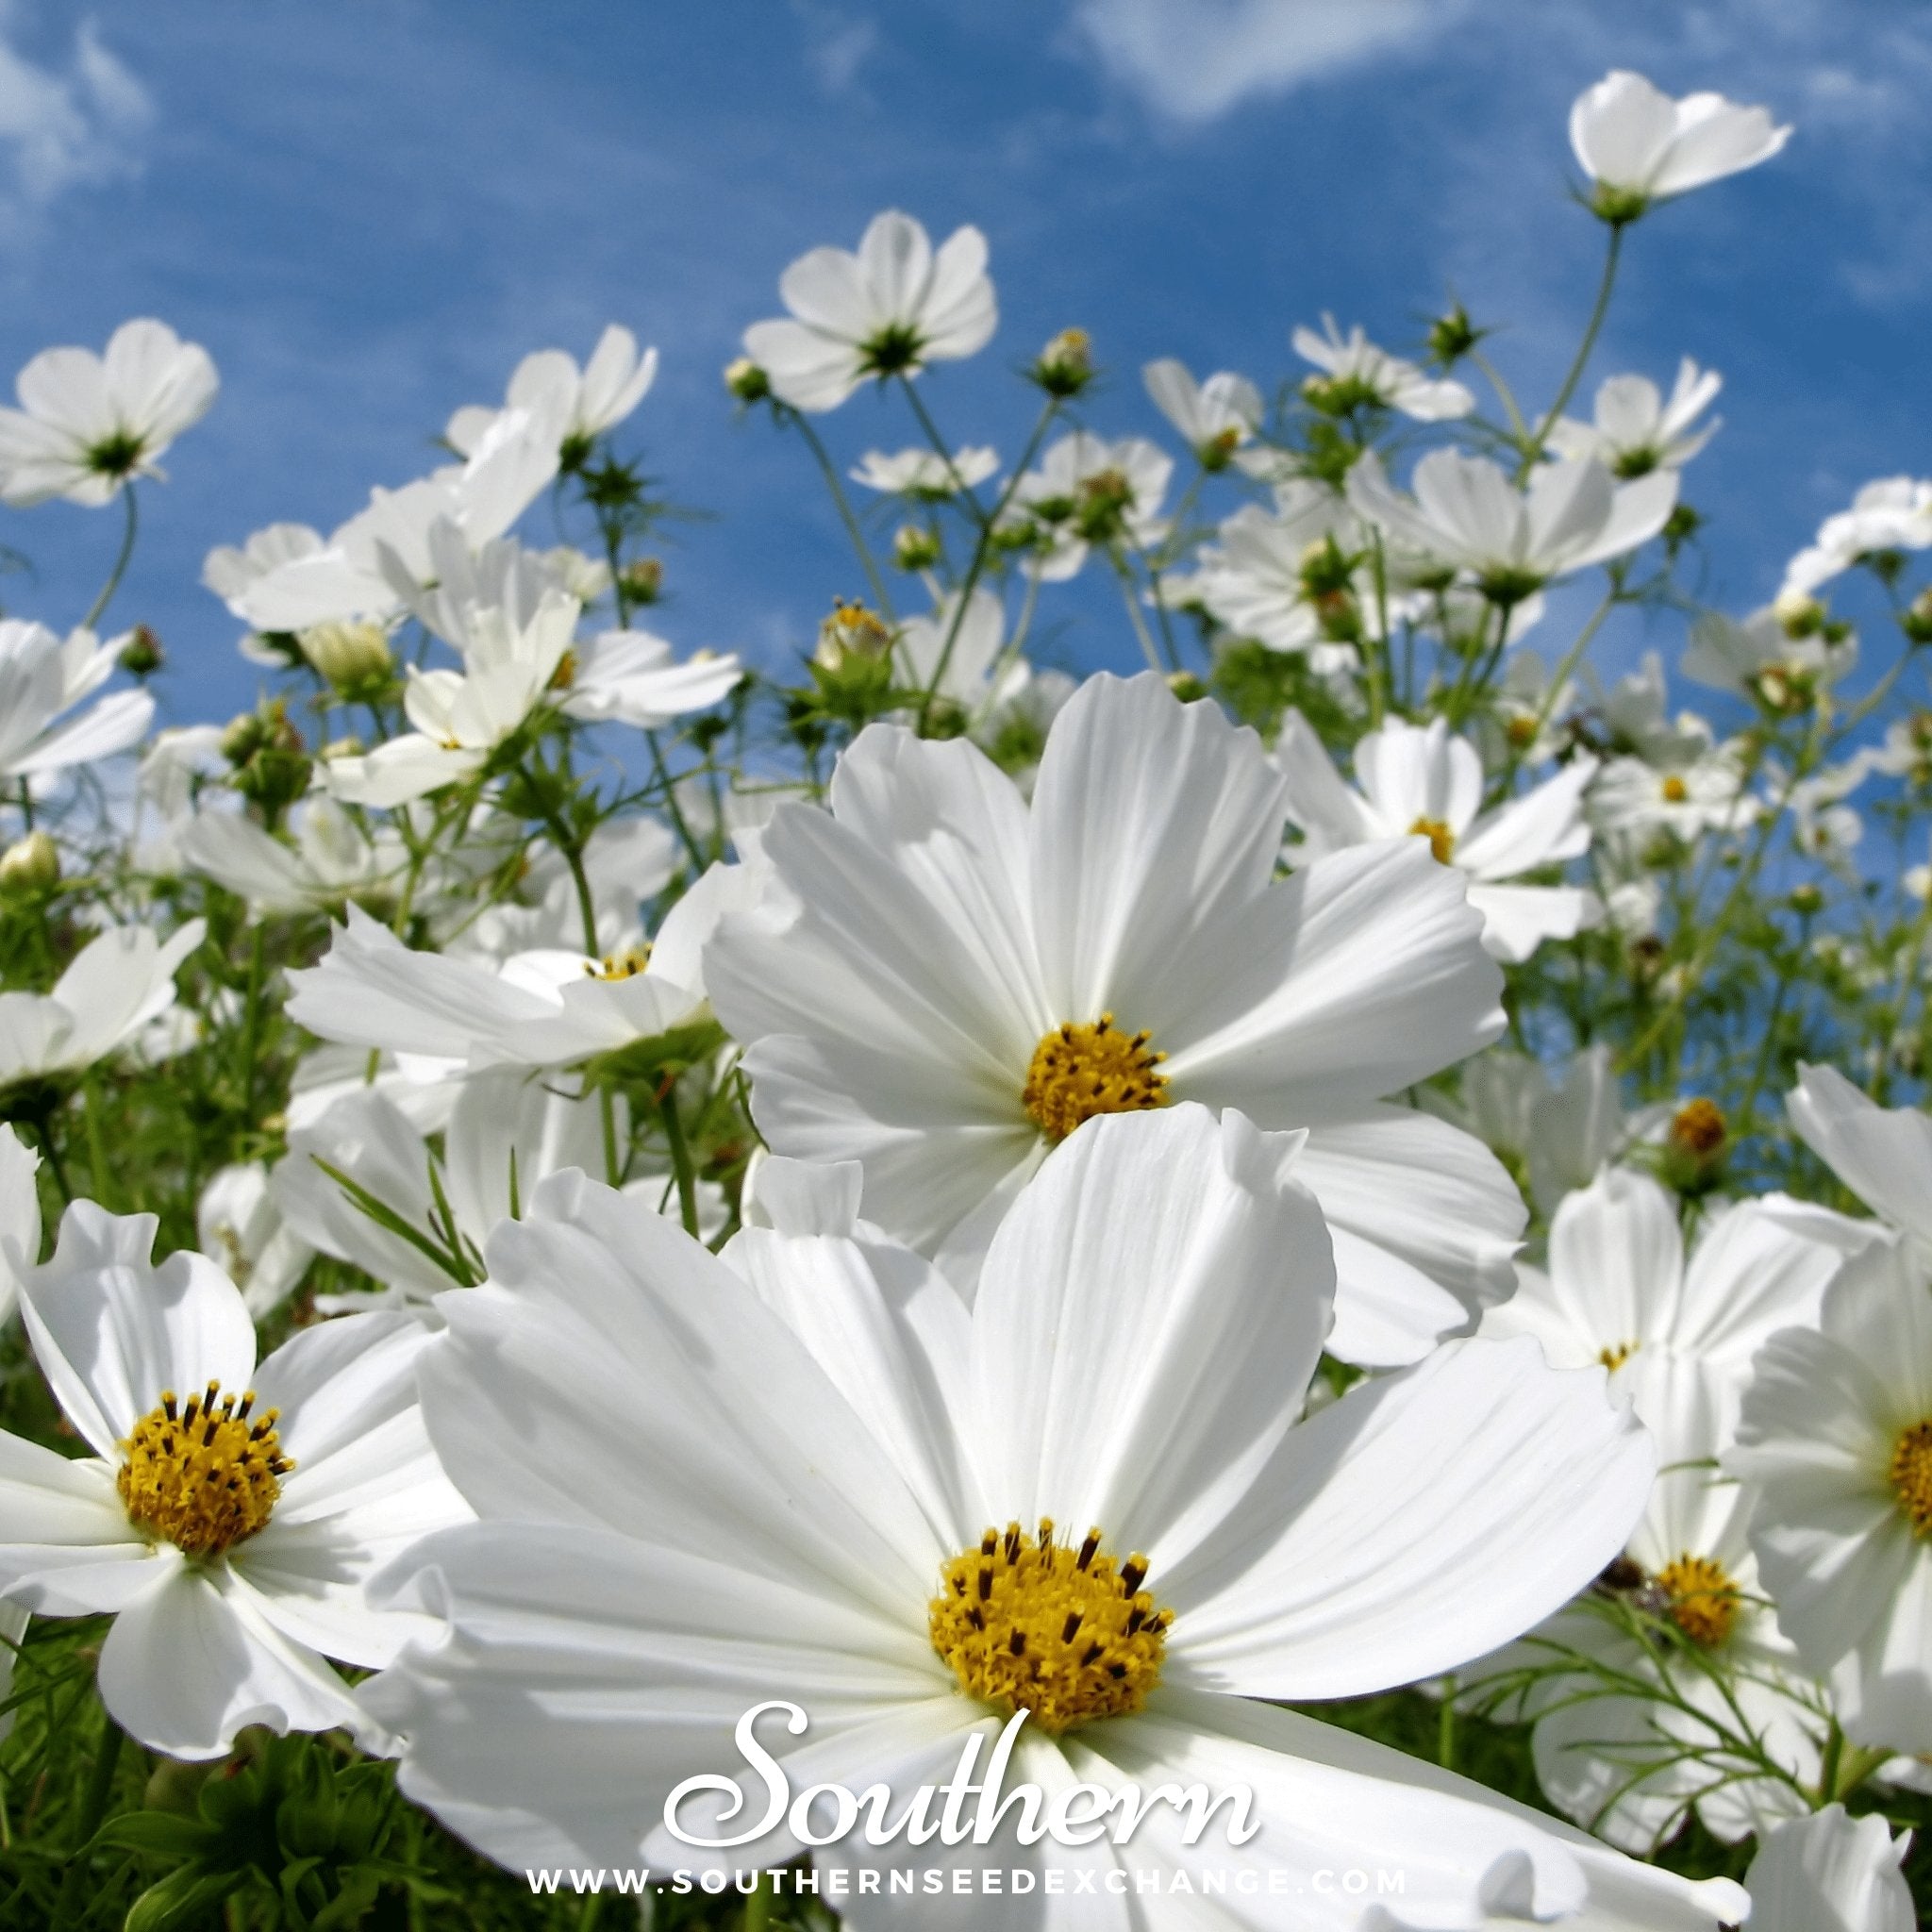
1058, 1631
1911, 1475
1078, 1071
203, 1477
1699, 1599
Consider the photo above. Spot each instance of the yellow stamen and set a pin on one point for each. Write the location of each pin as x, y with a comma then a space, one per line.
1911, 1475
1675, 790
1054, 1629
203, 1476
1078, 1071
566, 673
625, 965
1614, 1359
1702, 1601
1442, 839
1698, 1127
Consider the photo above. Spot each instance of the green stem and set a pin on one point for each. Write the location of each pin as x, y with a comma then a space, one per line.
1445, 1727
1591, 329
943, 452
758, 1906
251, 1034
120, 561
72, 1906
680, 1158
786, 413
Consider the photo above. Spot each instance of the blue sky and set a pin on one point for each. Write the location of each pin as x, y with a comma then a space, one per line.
369, 211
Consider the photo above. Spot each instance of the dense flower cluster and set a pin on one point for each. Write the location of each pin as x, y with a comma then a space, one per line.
1362, 1173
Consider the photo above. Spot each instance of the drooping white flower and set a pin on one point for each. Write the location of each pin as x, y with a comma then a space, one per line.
1682, 1612
1417, 780
581, 404
925, 474
1831, 1873
1214, 418
887, 310
1837, 1437
1619, 1289
329, 857
1357, 372
239, 1222
545, 1009
1883, 1153
88, 424
1087, 490
120, 981
1893, 513
1468, 513
793, 1457
1635, 429
934, 979
229, 1511
1638, 145
42, 677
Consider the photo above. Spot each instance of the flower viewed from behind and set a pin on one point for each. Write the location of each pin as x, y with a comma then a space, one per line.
88, 425
1882, 1154
941, 983
229, 1511
1830, 1872
1355, 374
1637, 429
887, 310
581, 402
1637, 146
1467, 513
1422, 781
1215, 417
820, 1478
41, 679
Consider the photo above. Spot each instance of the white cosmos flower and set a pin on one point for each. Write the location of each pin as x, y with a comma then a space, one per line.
542, 1009
327, 858
1893, 513
1634, 712
1638, 145
1356, 370
633, 678
1637, 429
1760, 659
1087, 490
887, 310
1883, 1153
1214, 418
224, 1601
41, 679
1685, 796
1266, 575
960, 649
1417, 781
239, 1222
1831, 1873
88, 424
933, 977
708, 1482
1619, 1289
121, 979
924, 473
581, 402
1837, 1435
1632, 1767
1469, 514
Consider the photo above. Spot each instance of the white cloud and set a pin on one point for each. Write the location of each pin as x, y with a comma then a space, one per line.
836, 45
1194, 59
70, 125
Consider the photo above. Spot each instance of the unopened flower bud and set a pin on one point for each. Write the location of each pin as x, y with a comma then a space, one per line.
1186, 686
1798, 614
747, 380
1065, 366
852, 634
29, 867
1917, 622
1806, 900
915, 547
142, 653
1451, 337
644, 580
354, 658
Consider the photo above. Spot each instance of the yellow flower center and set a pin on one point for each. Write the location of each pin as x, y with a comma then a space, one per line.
625, 965
1911, 1475
1698, 1127
1442, 839
1614, 1359
204, 1477
1701, 1599
1675, 790
1057, 1631
1078, 1071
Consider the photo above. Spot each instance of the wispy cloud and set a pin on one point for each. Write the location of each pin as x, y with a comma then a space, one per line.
1192, 61
838, 44
74, 124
